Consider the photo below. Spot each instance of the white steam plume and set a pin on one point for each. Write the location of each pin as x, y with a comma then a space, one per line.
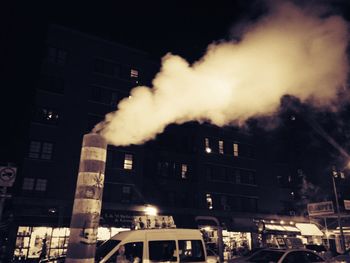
288, 52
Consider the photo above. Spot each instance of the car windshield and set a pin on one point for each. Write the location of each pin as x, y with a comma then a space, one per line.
105, 248
266, 256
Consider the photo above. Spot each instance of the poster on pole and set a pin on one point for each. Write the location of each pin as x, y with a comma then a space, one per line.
320, 209
7, 176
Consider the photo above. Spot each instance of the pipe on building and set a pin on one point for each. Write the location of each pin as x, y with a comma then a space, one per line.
88, 200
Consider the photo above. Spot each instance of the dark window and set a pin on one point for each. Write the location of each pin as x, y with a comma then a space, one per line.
46, 116
106, 96
53, 84
162, 250
106, 67
105, 248
267, 256
129, 252
302, 256
30, 184
40, 150
163, 169
191, 251
126, 194
56, 56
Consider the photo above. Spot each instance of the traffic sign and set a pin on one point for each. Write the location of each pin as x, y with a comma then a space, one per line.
7, 175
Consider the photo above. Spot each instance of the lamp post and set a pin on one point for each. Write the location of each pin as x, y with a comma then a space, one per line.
342, 241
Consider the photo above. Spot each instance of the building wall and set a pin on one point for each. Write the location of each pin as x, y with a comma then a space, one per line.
80, 80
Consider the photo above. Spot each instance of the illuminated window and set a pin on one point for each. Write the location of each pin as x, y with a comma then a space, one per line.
28, 183
46, 116
128, 160
134, 74
41, 185
235, 149
221, 147
209, 201
207, 145
184, 170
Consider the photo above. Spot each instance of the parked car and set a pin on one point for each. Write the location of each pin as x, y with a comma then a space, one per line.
282, 255
59, 259
344, 257
212, 257
320, 250
154, 245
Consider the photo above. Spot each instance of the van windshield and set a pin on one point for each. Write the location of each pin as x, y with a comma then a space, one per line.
105, 248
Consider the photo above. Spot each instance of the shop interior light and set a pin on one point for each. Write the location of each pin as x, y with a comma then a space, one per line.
207, 228
207, 149
291, 223
272, 222
281, 222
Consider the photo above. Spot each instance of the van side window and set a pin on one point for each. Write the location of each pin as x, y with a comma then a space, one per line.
164, 250
191, 251
128, 253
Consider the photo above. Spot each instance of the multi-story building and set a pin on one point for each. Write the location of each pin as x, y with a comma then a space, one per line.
197, 174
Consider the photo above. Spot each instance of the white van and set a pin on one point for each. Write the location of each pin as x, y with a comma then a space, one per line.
153, 245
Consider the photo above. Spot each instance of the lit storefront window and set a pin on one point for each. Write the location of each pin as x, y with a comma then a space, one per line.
29, 240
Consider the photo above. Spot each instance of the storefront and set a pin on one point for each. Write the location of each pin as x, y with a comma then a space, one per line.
33, 242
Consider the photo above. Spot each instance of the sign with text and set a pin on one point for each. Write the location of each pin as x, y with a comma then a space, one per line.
347, 204
320, 209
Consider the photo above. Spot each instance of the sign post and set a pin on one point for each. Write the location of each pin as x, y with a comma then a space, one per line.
7, 178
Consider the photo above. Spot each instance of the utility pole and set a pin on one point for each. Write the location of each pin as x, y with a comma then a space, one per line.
342, 240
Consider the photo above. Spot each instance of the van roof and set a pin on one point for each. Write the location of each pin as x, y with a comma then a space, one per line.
141, 234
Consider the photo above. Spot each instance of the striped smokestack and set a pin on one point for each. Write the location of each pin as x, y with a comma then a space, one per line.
88, 200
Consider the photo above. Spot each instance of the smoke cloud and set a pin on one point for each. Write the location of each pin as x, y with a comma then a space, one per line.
289, 52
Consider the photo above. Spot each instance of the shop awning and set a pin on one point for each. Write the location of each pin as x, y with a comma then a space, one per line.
308, 229
281, 228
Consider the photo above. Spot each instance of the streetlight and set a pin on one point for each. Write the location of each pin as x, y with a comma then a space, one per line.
342, 241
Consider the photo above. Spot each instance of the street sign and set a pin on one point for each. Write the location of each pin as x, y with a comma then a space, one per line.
320, 209
7, 176
347, 204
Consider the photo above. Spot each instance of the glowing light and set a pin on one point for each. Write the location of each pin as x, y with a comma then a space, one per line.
281, 222
208, 150
207, 228
151, 210
291, 223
